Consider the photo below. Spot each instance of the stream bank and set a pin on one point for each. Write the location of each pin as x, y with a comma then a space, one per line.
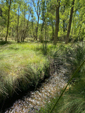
60, 70
34, 100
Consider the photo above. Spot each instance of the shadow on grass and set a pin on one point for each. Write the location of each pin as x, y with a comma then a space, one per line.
13, 48
45, 50
22, 86
4, 42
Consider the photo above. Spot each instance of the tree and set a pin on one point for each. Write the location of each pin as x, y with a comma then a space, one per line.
32, 22
50, 14
37, 7
57, 22
18, 24
24, 12
8, 3
70, 21
29, 13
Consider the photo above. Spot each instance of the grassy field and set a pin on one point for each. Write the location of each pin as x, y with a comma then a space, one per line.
21, 66
23, 61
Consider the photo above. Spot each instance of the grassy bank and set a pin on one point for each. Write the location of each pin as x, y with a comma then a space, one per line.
21, 66
73, 100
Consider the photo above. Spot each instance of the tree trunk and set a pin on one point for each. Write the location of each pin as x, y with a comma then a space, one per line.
70, 21
63, 19
24, 32
64, 23
18, 27
37, 28
45, 43
9, 5
52, 32
57, 22
28, 21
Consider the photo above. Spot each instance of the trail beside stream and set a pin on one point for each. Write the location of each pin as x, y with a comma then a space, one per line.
38, 98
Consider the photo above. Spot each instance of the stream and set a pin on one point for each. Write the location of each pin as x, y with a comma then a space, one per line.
34, 100
38, 98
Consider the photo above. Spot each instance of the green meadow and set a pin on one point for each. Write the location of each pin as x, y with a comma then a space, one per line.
21, 66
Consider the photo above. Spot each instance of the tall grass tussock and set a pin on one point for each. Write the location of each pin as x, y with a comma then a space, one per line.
73, 99
21, 66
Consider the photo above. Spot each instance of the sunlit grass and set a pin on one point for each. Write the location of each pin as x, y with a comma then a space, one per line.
20, 63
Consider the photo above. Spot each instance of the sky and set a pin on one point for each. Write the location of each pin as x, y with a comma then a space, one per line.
35, 15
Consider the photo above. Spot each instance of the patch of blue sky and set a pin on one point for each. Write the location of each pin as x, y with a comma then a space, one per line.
35, 15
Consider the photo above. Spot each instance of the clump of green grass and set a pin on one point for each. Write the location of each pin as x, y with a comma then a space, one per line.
21, 66
73, 101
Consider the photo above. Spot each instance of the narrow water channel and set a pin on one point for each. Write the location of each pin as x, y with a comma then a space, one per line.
38, 98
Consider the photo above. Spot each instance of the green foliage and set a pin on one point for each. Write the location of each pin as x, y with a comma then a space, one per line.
74, 99
46, 11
